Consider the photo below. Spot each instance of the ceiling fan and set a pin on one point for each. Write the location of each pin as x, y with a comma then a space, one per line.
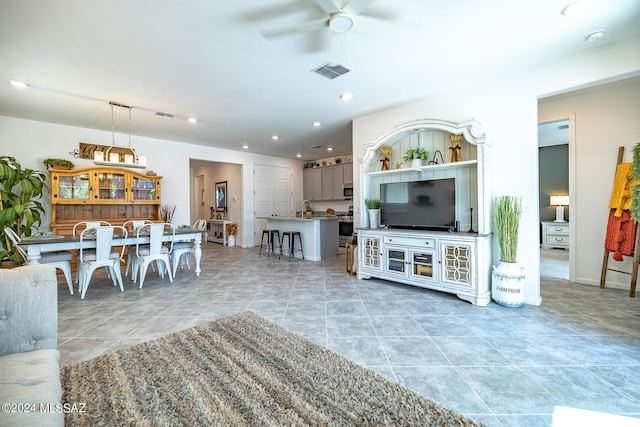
340, 17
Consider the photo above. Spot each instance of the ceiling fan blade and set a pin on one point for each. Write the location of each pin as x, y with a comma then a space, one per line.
271, 12
355, 7
375, 25
296, 28
328, 6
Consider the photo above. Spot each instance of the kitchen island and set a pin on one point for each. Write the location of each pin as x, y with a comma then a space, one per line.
319, 234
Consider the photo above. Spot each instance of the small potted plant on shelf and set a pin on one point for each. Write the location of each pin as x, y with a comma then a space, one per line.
57, 163
373, 207
415, 156
507, 287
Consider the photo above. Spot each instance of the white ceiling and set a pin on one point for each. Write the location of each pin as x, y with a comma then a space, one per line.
208, 59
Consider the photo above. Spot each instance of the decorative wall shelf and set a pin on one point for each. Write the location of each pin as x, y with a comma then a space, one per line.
462, 164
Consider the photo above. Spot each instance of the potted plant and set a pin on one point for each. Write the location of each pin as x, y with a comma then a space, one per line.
373, 207
20, 207
415, 156
57, 163
508, 278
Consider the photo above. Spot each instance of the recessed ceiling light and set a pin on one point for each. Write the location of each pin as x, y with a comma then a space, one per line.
18, 83
329, 148
192, 120
316, 124
275, 137
596, 35
298, 155
245, 146
346, 96
574, 8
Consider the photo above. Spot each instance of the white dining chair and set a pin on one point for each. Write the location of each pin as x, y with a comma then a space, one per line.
78, 227
59, 259
83, 225
104, 255
132, 226
146, 253
182, 250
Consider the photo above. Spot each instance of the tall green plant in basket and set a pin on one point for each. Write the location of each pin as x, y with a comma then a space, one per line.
20, 208
507, 285
506, 215
635, 190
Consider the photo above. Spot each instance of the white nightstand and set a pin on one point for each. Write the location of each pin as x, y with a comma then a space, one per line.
555, 235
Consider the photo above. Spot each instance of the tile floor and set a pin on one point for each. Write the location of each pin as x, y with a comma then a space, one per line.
499, 366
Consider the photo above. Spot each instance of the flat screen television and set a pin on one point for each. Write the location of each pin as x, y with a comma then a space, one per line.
424, 205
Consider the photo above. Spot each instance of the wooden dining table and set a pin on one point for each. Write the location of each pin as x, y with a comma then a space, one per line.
36, 245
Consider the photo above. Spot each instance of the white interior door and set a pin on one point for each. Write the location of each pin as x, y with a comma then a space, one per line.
271, 196
282, 192
262, 199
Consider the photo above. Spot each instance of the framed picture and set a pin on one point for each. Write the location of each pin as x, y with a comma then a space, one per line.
221, 196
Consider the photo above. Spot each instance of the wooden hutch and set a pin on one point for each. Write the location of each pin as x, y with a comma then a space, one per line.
102, 193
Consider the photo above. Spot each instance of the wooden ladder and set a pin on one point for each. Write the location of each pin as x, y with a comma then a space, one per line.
636, 253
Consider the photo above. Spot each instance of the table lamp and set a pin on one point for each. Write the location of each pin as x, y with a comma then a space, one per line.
559, 202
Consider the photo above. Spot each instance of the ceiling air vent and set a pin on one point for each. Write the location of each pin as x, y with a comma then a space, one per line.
562, 127
331, 71
316, 146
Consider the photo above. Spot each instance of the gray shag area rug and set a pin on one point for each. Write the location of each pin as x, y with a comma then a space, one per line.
240, 370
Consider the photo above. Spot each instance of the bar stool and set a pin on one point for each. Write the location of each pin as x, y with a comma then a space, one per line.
291, 235
272, 237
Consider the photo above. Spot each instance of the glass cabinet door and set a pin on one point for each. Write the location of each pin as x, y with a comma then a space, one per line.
422, 264
396, 260
74, 187
144, 189
111, 186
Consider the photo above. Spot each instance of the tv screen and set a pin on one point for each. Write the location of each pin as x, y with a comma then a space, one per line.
428, 205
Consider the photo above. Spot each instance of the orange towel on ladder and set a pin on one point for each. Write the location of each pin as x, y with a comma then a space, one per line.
621, 234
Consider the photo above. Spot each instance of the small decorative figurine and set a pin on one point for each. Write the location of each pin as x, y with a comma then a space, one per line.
455, 147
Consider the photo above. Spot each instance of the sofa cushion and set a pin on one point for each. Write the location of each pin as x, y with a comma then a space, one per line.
28, 308
31, 379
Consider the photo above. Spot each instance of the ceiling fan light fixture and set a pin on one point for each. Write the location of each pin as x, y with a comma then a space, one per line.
341, 22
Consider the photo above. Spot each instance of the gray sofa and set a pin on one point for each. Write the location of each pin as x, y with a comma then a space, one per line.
30, 391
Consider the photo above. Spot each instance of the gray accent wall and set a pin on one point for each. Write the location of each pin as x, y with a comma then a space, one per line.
554, 178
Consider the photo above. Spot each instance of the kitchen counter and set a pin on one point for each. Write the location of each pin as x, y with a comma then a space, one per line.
319, 234
298, 218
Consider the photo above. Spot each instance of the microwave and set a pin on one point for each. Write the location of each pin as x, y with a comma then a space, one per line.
347, 191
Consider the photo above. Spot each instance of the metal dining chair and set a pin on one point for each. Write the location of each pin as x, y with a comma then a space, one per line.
183, 250
132, 226
59, 259
78, 227
104, 255
146, 253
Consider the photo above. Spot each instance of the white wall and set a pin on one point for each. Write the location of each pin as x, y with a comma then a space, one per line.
507, 107
31, 142
606, 117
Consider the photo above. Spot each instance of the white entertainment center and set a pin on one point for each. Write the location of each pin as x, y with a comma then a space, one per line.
457, 262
